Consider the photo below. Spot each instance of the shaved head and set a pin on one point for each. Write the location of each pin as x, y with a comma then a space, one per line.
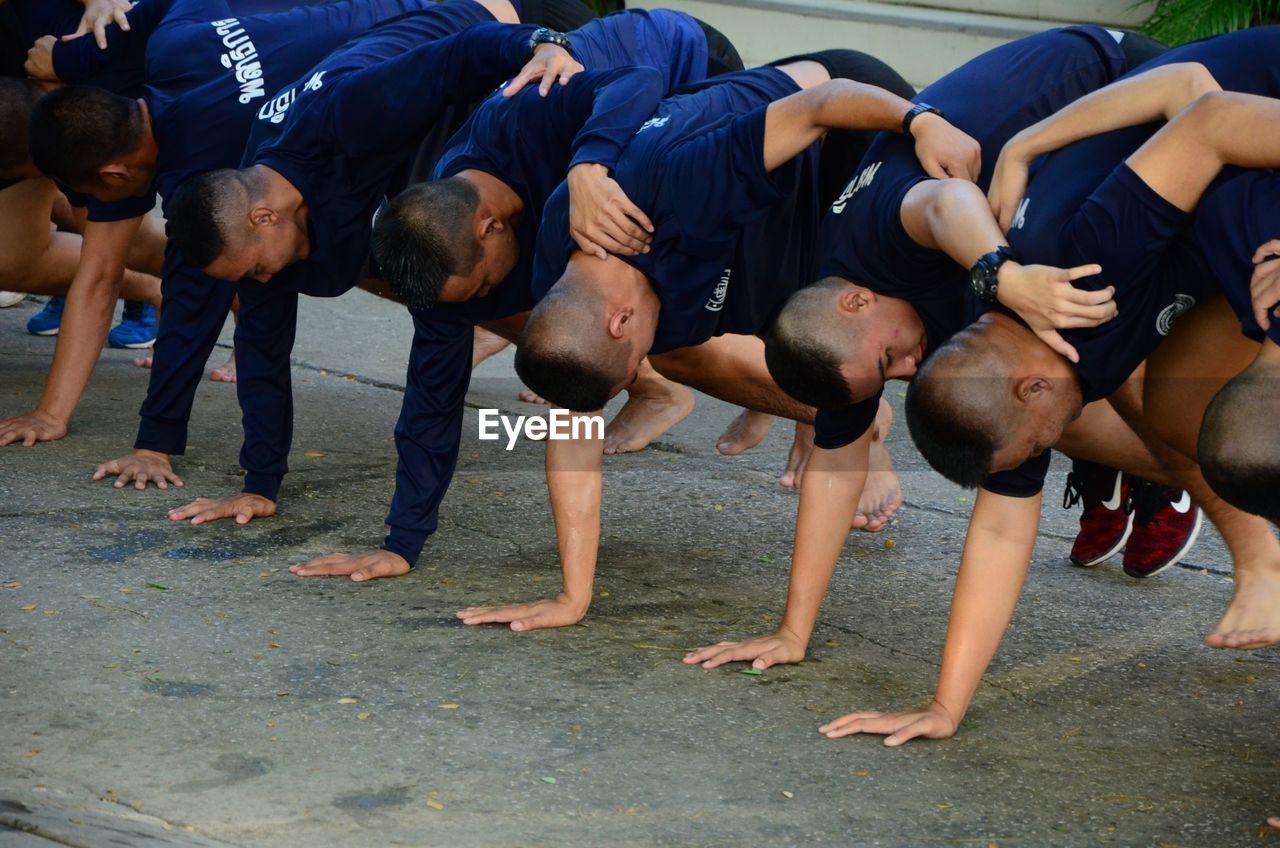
808, 344
1239, 447
209, 214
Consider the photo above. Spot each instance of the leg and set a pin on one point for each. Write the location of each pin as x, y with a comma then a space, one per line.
1203, 352
654, 405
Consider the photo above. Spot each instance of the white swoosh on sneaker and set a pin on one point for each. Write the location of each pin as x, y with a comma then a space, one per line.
1182, 504
1113, 503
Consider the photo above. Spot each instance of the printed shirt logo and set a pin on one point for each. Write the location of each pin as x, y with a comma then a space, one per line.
241, 58
654, 123
716, 302
855, 185
316, 81
1181, 303
1020, 217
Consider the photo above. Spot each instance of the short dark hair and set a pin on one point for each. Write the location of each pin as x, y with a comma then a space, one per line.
17, 98
800, 353
954, 427
200, 213
423, 237
77, 129
1238, 448
559, 357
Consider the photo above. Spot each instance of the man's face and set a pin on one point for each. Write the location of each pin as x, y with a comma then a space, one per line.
893, 344
499, 253
265, 253
1038, 426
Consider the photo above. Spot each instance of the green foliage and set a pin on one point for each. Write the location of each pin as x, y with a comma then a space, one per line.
1179, 21
604, 7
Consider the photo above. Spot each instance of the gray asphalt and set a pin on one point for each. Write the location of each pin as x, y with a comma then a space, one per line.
181, 677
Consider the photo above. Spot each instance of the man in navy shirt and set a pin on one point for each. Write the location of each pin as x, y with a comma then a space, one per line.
868, 249
1136, 223
485, 201
297, 220
755, 190
195, 115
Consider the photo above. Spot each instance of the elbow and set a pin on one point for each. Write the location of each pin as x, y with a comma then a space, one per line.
953, 199
1198, 81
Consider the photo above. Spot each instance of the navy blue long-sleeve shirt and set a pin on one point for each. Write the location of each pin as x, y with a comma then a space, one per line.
207, 81
530, 145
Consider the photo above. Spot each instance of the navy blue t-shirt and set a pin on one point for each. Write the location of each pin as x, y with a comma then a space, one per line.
1066, 218
207, 79
430, 425
1239, 214
991, 97
732, 240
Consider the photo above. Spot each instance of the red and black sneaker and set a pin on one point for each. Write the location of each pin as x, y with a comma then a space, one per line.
1107, 519
1166, 526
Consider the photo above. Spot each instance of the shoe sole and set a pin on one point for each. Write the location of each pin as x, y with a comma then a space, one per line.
52, 332
1115, 549
134, 345
1181, 552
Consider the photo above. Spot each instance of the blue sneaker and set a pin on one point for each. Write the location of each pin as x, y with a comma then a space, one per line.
137, 327
47, 321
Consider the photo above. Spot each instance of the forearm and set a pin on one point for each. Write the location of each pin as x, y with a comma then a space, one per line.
574, 481
731, 368
952, 216
829, 495
264, 385
1156, 95
85, 322
622, 100
997, 554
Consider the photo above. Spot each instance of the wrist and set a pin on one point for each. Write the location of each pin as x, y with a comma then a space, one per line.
575, 602
150, 454
799, 634
920, 118
955, 714
51, 415
1007, 278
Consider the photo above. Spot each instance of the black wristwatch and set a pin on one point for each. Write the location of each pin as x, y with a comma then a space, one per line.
915, 112
983, 274
545, 35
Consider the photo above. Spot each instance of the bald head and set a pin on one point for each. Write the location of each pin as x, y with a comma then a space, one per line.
209, 214
1239, 447
808, 344
424, 237
566, 351
961, 407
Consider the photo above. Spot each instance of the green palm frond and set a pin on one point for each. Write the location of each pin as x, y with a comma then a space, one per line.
1180, 21
604, 7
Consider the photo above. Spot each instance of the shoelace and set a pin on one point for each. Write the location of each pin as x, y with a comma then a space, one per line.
1074, 492
1148, 499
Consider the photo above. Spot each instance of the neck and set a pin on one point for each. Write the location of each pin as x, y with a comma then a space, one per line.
149, 150
498, 199
283, 196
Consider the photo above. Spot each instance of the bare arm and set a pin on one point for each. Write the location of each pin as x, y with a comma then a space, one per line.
793, 123
829, 494
1156, 95
574, 472
997, 553
953, 216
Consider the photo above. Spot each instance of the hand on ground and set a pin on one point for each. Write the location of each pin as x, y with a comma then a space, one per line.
369, 565
243, 507
140, 468
552, 612
779, 648
33, 427
933, 722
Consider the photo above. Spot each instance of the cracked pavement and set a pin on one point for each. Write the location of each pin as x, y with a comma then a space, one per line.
182, 675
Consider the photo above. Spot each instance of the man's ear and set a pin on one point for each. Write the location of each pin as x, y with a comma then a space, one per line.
855, 299
1033, 388
618, 321
263, 216
489, 226
114, 173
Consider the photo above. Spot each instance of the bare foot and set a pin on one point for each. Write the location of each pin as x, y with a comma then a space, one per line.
882, 494
530, 396
744, 432
1253, 616
227, 373
801, 450
654, 405
1274, 821
485, 344
143, 362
